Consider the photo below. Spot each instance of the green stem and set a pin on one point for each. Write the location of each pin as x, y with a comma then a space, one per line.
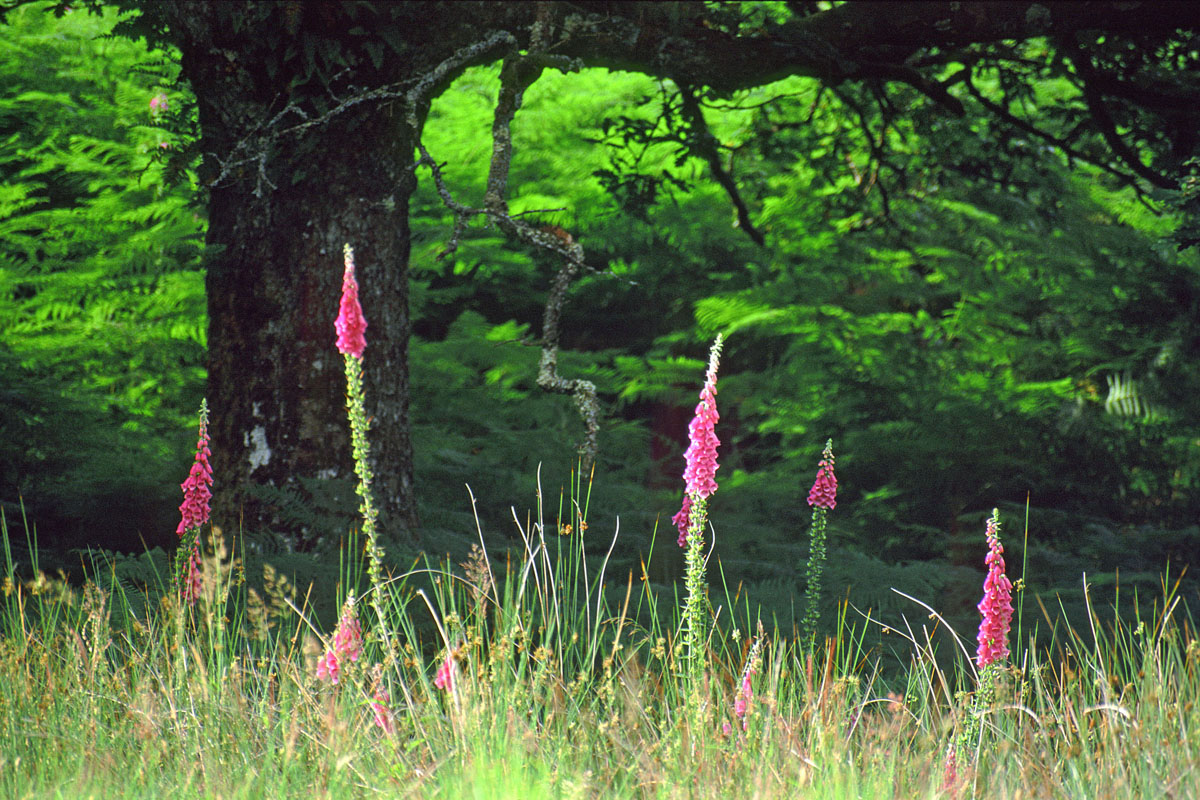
816, 560
693, 610
355, 407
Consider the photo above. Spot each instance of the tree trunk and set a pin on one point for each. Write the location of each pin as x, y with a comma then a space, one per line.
276, 380
308, 145
282, 206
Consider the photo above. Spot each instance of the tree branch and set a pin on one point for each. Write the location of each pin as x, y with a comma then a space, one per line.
1062, 144
1108, 128
706, 145
852, 40
516, 75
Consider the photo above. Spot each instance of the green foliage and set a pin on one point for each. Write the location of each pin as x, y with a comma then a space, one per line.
953, 317
970, 316
526, 434
101, 295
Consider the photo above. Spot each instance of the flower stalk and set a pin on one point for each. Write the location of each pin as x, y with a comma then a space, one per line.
996, 612
194, 513
745, 693
700, 483
823, 499
346, 644
351, 327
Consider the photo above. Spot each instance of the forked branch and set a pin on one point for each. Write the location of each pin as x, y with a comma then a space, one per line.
516, 75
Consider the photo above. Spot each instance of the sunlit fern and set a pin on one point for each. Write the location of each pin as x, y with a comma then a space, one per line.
1126, 399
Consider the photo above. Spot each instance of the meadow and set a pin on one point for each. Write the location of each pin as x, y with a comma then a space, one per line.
976, 318
536, 672
553, 691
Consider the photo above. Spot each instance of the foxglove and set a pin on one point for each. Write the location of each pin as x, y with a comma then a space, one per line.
194, 512
347, 644
700, 470
445, 675
823, 498
996, 606
350, 324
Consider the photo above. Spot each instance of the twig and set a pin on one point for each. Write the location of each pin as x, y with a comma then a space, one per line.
706, 145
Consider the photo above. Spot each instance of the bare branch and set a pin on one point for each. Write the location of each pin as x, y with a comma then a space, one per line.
706, 146
253, 150
516, 75
435, 77
1063, 144
1108, 128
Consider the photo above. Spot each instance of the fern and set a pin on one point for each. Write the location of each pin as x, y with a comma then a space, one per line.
1126, 399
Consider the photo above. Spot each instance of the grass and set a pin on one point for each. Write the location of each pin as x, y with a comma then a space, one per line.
564, 688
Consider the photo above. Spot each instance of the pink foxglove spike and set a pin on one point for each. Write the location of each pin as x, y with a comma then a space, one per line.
824, 490
996, 606
350, 325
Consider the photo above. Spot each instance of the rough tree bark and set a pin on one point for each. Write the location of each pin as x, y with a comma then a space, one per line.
291, 183
276, 380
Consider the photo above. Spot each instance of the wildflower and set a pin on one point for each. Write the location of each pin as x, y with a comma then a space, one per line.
823, 498
699, 477
193, 513
328, 668
996, 605
347, 643
950, 771
159, 104
701, 471
192, 584
682, 520
194, 510
446, 674
824, 489
742, 703
383, 717
699, 474
350, 324
379, 702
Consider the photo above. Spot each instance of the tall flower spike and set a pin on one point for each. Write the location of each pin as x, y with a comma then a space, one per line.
445, 675
996, 606
700, 472
742, 703
193, 585
700, 475
350, 323
197, 495
380, 698
950, 771
824, 489
823, 498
